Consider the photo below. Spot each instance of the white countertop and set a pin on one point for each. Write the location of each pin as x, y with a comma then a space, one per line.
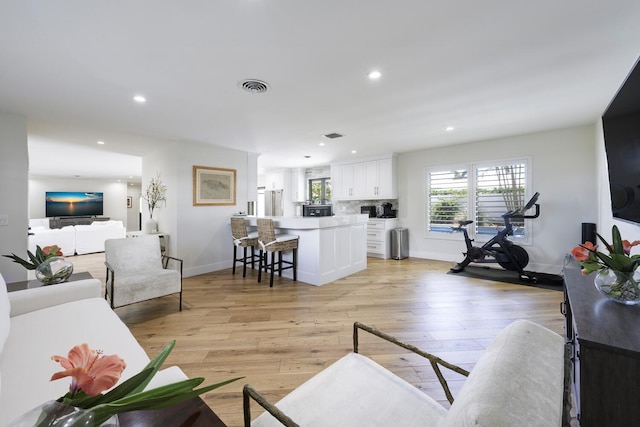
311, 222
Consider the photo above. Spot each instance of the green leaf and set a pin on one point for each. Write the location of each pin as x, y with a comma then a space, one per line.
606, 244
155, 364
160, 397
123, 390
617, 240
25, 264
39, 258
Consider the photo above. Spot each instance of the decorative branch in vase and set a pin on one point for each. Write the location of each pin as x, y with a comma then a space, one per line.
154, 195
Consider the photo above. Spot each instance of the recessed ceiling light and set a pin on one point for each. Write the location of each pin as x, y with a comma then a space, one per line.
449, 128
374, 75
100, 142
321, 144
353, 151
140, 99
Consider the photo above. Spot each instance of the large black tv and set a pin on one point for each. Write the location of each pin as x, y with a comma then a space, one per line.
621, 126
73, 203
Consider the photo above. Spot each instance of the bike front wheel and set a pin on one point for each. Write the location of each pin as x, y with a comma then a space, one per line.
519, 254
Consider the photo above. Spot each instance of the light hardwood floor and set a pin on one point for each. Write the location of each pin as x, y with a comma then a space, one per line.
279, 337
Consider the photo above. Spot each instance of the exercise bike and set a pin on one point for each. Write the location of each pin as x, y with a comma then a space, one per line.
500, 249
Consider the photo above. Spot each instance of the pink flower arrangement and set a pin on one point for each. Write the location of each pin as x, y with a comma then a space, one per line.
92, 373
41, 255
618, 259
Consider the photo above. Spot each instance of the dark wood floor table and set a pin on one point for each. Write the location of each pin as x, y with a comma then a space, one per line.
190, 413
28, 284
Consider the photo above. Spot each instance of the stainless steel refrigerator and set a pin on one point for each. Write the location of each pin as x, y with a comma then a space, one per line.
273, 203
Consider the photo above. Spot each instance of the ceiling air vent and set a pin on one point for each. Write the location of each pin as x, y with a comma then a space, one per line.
254, 86
333, 135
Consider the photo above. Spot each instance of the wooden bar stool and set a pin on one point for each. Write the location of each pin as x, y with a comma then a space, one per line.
241, 238
269, 241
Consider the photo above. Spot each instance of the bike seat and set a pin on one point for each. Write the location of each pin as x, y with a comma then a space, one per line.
463, 223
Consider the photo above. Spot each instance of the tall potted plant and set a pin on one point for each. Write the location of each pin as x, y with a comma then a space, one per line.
154, 195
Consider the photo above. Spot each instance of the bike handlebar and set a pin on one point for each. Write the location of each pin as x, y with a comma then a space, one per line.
518, 215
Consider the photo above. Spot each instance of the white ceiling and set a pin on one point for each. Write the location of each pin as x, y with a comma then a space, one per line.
489, 68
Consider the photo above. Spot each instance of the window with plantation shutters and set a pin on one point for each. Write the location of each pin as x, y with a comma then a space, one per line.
448, 199
478, 192
498, 189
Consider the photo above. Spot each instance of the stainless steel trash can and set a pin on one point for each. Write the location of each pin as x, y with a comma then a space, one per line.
399, 243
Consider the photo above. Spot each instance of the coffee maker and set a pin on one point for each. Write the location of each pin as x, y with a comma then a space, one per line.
387, 212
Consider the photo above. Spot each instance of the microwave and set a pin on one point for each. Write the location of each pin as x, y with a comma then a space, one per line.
317, 210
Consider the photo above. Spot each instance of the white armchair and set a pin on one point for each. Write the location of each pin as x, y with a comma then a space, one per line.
136, 271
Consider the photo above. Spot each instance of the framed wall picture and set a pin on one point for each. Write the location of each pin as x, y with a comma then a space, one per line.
214, 186
129, 201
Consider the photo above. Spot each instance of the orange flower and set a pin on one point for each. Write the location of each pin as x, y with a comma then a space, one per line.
51, 251
626, 246
91, 372
582, 252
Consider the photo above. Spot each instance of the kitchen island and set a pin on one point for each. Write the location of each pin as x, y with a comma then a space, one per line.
330, 247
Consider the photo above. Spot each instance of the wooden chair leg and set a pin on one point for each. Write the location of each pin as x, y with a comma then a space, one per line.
295, 264
273, 265
235, 254
280, 263
260, 266
244, 262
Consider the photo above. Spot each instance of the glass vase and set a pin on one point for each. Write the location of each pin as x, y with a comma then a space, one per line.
56, 414
54, 270
619, 286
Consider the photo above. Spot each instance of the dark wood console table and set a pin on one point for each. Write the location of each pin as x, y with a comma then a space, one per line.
190, 413
605, 338
75, 220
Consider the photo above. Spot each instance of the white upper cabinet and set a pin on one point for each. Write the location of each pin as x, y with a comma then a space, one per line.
381, 179
367, 180
353, 181
274, 180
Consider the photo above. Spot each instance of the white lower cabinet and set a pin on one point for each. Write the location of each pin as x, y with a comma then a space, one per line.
378, 237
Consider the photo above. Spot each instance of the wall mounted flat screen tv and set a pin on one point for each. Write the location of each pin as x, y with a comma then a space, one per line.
73, 203
621, 126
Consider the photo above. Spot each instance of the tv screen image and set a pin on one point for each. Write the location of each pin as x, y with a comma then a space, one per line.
73, 203
621, 126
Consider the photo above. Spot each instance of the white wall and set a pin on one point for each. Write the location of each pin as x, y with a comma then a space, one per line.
14, 165
115, 195
563, 167
200, 235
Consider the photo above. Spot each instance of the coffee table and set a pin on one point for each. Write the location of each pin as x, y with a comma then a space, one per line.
190, 413
29, 284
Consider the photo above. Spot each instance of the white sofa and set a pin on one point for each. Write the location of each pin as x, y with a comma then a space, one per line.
90, 238
42, 235
36, 324
522, 379
74, 239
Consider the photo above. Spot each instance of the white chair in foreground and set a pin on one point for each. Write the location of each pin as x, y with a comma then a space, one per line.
522, 379
136, 271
